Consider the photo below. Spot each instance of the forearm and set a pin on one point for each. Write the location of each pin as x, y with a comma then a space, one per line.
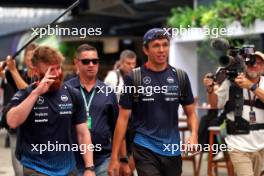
191, 119
119, 135
212, 99
193, 124
2, 74
17, 115
259, 93
20, 83
123, 150
85, 138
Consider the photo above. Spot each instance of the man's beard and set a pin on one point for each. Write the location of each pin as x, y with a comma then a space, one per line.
252, 74
55, 86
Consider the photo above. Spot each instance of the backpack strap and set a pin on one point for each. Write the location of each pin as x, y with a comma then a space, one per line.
136, 76
181, 75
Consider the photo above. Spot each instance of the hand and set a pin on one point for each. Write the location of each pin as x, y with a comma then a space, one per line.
192, 143
243, 82
208, 80
124, 170
1, 66
45, 83
11, 64
113, 168
88, 173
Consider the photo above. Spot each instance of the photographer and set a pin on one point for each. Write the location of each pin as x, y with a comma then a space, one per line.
247, 153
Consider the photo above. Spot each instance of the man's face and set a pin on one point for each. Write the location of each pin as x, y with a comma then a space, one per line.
27, 59
256, 70
56, 70
157, 51
88, 64
128, 65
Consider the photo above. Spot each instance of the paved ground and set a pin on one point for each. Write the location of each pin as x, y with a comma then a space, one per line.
5, 157
6, 165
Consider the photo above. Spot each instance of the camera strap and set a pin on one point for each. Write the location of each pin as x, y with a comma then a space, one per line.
251, 102
252, 114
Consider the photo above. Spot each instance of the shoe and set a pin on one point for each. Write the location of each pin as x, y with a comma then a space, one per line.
218, 156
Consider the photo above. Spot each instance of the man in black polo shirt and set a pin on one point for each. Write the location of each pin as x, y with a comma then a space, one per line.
44, 114
101, 107
155, 113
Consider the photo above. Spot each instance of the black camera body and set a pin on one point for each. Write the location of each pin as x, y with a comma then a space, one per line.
236, 59
238, 126
235, 104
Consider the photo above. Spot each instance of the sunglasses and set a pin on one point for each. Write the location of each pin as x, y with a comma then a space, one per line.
95, 61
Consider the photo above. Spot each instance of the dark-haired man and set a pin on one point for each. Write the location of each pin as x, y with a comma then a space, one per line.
101, 107
155, 114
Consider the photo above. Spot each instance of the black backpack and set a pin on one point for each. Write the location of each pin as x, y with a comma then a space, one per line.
180, 74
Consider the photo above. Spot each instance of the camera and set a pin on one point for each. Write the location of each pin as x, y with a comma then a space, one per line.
235, 58
233, 62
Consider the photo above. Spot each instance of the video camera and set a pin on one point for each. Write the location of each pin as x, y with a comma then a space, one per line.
233, 62
235, 59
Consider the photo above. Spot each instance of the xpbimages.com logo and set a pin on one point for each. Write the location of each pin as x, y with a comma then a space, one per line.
52, 147
146, 90
65, 31
188, 31
196, 148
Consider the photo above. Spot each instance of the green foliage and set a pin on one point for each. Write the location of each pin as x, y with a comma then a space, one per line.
220, 14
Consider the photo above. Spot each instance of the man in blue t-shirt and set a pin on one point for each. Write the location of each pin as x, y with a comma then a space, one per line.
155, 112
101, 107
44, 114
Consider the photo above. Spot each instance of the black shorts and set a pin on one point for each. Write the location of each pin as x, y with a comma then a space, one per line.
149, 163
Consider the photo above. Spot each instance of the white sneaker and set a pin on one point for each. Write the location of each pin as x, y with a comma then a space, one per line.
218, 156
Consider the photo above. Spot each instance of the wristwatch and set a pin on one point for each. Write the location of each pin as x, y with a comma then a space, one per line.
124, 160
253, 87
90, 168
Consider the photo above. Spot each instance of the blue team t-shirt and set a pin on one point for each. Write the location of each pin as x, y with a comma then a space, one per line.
104, 113
155, 115
50, 123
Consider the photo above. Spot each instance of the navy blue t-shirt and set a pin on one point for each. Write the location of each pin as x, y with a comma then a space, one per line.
49, 123
156, 114
104, 113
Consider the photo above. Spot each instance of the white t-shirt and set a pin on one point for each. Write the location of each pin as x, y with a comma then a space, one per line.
111, 79
253, 141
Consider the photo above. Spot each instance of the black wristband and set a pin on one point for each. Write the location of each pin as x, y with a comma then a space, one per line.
90, 168
124, 160
253, 87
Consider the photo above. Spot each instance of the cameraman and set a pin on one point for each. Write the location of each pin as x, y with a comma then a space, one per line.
247, 153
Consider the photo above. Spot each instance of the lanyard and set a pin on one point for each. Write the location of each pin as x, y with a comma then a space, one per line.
251, 102
87, 107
